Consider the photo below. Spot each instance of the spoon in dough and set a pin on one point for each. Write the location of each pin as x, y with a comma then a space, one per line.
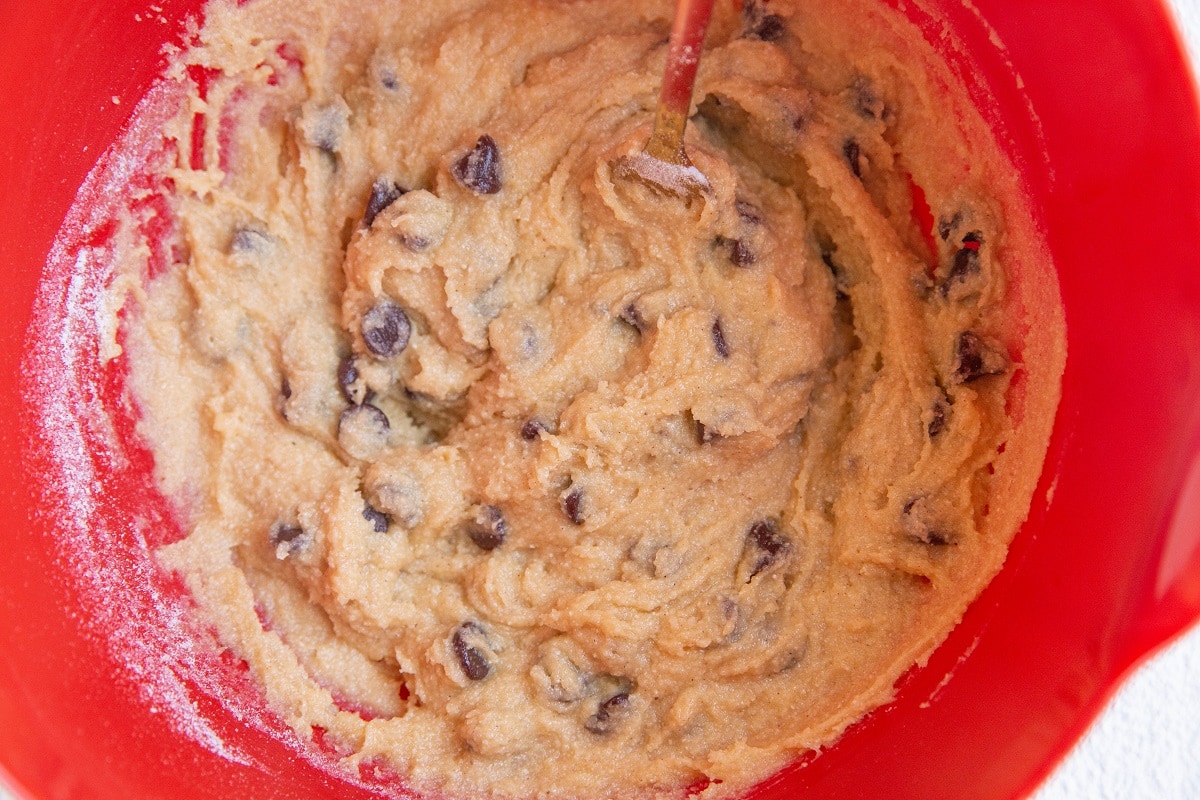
664, 162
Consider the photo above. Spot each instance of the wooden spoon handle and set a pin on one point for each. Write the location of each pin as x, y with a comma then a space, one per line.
679, 77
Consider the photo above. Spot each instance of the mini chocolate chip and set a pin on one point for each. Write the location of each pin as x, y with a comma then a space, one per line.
866, 101
572, 505
383, 194
771, 29
467, 641
386, 329
748, 212
938, 423
531, 431
761, 25
248, 240
608, 714
288, 540
935, 538
853, 153
915, 521
742, 256
417, 244
388, 79
285, 389
284, 533
488, 530
348, 382
363, 429
631, 316
718, 337
764, 547
479, 170
325, 129
379, 520
966, 264
946, 225
973, 359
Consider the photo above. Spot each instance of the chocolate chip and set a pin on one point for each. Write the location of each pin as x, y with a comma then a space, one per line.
609, 713
350, 382
771, 29
718, 337
938, 423
761, 25
417, 244
572, 505
388, 79
386, 329
469, 643
765, 546
946, 225
935, 538
965, 264
973, 359
383, 194
866, 101
325, 128
285, 389
367, 413
488, 530
284, 533
748, 212
632, 317
741, 255
248, 240
288, 539
853, 154
379, 520
363, 430
531, 431
479, 170
915, 521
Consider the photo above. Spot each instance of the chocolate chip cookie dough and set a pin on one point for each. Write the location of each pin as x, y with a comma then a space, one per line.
507, 470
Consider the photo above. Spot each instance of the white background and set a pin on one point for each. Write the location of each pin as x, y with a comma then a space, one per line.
1146, 745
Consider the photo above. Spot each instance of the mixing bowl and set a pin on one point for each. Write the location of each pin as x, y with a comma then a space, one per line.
108, 691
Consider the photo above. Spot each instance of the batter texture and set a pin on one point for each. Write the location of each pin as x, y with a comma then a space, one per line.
512, 472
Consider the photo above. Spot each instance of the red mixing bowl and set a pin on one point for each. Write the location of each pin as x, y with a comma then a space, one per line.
107, 692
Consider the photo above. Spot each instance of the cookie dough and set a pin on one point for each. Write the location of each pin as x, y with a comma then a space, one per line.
509, 473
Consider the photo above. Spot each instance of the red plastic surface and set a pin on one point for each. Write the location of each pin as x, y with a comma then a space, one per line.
1106, 569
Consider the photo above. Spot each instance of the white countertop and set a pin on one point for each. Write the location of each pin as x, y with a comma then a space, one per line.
1146, 745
